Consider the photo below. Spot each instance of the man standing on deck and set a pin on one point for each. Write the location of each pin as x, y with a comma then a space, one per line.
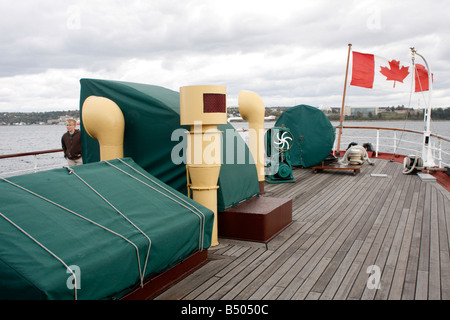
71, 144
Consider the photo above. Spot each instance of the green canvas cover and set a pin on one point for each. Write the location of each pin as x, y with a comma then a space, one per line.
152, 114
313, 134
238, 178
112, 220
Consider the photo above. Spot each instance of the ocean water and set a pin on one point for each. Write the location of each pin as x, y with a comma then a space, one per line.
20, 139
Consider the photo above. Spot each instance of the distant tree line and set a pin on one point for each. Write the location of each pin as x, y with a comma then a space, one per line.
440, 114
394, 114
10, 118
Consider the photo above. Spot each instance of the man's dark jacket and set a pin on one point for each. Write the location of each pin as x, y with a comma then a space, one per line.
71, 145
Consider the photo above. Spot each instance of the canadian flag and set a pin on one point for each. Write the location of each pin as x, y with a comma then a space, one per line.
370, 71
421, 78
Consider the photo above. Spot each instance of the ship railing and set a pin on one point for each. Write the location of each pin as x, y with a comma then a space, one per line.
388, 140
34, 158
398, 141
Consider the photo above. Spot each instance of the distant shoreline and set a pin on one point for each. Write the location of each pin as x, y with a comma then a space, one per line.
58, 117
244, 121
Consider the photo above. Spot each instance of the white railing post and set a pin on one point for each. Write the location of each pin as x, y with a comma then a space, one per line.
395, 142
378, 143
440, 152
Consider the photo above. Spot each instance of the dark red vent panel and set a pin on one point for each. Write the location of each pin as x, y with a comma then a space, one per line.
214, 102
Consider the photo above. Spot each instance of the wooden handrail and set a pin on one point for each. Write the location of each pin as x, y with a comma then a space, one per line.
396, 129
32, 153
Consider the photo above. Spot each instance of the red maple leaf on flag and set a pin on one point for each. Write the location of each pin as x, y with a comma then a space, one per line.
395, 73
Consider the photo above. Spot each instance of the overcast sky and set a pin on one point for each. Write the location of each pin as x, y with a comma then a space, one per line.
288, 52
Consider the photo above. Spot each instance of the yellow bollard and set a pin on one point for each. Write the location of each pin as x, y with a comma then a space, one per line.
103, 120
204, 107
251, 108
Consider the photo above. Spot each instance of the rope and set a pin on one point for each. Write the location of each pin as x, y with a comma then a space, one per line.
357, 151
82, 217
409, 102
406, 119
420, 82
46, 249
182, 201
186, 204
415, 165
71, 171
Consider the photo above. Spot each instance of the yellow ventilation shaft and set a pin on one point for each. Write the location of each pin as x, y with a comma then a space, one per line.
103, 120
251, 108
203, 108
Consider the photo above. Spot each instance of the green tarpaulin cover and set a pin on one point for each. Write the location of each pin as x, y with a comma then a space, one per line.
313, 134
112, 220
152, 115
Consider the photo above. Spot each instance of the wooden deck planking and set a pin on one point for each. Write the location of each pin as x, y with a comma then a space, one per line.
434, 290
402, 262
444, 237
350, 234
339, 231
390, 249
409, 287
402, 226
372, 237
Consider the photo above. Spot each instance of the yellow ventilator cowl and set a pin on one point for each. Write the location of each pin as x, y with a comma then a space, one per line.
204, 177
251, 108
203, 103
103, 120
204, 191
203, 108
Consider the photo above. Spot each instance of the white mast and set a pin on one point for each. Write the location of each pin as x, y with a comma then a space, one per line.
427, 156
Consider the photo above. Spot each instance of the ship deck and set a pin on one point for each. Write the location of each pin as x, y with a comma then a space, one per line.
342, 224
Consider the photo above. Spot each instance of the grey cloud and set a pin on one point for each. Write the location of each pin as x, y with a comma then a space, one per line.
280, 49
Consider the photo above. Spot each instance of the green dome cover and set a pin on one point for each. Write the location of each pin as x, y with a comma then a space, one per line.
313, 134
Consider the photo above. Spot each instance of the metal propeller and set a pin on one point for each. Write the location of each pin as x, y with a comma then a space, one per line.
283, 142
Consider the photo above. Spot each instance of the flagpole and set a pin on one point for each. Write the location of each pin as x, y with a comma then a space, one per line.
427, 157
343, 102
